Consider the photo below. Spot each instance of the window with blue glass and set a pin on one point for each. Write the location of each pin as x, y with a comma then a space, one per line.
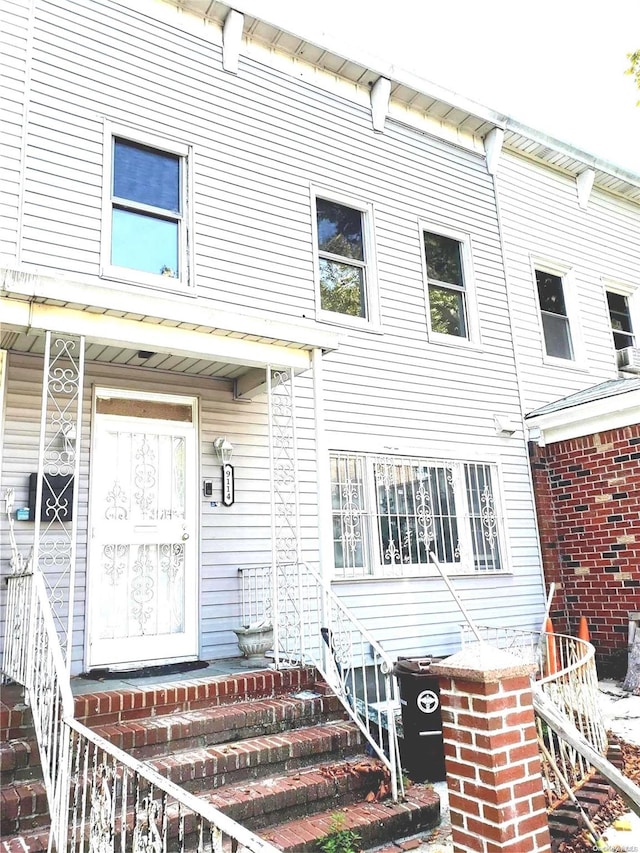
147, 216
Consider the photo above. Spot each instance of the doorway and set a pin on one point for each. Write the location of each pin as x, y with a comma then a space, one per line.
143, 555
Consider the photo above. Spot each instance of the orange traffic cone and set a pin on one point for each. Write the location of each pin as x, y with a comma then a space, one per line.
583, 630
551, 658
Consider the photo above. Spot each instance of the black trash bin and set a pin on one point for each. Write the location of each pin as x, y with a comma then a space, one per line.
421, 747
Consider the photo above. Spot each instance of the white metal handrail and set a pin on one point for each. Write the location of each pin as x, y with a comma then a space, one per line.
96, 792
566, 677
313, 626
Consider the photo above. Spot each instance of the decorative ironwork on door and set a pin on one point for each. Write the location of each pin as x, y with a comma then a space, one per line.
142, 559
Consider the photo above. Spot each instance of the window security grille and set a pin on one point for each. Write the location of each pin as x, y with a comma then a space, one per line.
389, 513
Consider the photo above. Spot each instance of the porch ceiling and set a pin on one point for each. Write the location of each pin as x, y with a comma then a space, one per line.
34, 344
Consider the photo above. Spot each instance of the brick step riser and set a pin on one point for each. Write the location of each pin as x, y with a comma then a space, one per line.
146, 741
198, 774
24, 808
19, 761
16, 720
269, 808
375, 823
105, 708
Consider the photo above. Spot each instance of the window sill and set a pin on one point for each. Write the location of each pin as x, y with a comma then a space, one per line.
422, 576
353, 324
565, 364
472, 345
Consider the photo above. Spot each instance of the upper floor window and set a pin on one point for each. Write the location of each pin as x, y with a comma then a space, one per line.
390, 513
450, 294
345, 268
147, 224
555, 317
447, 297
620, 315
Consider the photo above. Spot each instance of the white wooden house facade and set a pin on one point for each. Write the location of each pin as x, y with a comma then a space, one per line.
225, 219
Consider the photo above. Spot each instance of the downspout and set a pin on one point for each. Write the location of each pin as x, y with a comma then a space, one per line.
514, 343
325, 538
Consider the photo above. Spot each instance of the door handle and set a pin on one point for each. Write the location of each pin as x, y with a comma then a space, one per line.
185, 536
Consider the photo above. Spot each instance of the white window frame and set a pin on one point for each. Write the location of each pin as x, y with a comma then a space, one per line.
371, 320
374, 565
472, 337
567, 275
185, 281
632, 294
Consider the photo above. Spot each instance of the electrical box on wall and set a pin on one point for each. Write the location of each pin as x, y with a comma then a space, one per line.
57, 497
207, 488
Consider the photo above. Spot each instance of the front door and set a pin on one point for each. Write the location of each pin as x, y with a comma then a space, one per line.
143, 554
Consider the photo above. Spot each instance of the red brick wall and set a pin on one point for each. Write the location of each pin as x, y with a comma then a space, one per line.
588, 505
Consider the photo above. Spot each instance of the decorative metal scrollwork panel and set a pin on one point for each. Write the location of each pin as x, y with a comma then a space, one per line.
57, 477
284, 504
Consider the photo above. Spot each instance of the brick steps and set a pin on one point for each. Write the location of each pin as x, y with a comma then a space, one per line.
566, 821
148, 737
270, 749
260, 802
374, 822
201, 769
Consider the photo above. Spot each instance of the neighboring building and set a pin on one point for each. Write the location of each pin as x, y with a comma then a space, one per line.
218, 229
572, 248
586, 468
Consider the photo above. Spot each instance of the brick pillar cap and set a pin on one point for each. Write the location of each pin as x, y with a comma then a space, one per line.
481, 662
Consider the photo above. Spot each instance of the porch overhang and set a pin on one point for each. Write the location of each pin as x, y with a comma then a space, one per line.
233, 345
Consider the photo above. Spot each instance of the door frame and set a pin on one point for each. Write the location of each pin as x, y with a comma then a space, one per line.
135, 394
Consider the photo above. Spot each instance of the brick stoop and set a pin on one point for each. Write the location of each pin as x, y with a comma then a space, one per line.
565, 822
272, 749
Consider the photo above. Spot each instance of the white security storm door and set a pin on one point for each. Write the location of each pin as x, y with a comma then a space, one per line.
143, 554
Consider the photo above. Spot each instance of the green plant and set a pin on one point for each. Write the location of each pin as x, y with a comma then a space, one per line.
339, 839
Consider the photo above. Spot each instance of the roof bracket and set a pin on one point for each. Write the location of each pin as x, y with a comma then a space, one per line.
493, 148
232, 40
584, 185
380, 92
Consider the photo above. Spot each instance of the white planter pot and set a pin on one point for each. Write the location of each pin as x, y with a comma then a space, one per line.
254, 642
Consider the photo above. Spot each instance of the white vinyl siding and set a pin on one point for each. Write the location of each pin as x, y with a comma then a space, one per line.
544, 226
14, 73
230, 537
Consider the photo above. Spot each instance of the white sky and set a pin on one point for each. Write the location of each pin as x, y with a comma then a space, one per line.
556, 65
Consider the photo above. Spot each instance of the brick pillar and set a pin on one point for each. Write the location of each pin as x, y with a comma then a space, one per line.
491, 753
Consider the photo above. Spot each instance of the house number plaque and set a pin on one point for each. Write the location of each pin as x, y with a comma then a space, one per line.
228, 487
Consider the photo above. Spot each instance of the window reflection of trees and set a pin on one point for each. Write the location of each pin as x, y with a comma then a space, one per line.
340, 236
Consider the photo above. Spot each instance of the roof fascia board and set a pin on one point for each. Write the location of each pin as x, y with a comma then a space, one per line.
570, 150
